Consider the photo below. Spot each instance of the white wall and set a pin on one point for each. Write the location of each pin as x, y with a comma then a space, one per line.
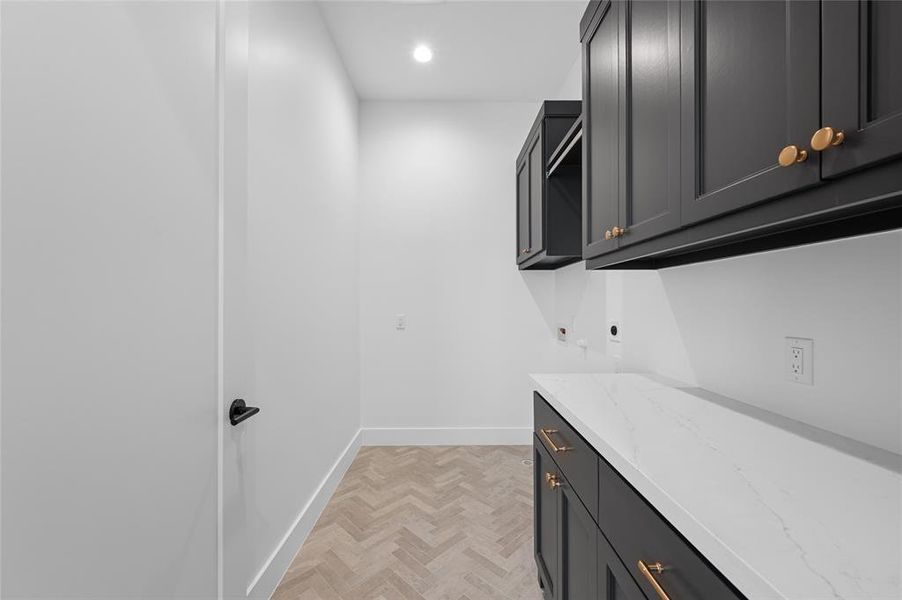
438, 244
110, 293
722, 325
302, 262
572, 86
109, 297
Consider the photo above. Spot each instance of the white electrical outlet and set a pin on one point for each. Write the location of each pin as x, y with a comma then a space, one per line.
614, 332
400, 322
562, 333
799, 360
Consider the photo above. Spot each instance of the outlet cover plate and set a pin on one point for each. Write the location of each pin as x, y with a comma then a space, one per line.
799, 360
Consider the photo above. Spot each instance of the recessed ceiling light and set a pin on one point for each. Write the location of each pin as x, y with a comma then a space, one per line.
422, 53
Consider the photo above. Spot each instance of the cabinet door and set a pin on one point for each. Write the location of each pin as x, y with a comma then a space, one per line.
577, 560
614, 582
546, 519
750, 87
601, 139
536, 196
862, 82
522, 210
650, 198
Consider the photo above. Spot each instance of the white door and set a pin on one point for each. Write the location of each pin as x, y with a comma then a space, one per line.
237, 442
110, 293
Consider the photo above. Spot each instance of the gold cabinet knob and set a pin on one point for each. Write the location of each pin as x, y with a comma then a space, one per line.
791, 155
552, 481
618, 231
825, 137
608, 235
524, 251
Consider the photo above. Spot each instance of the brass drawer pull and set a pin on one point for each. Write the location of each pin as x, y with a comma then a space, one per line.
546, 433
646, 570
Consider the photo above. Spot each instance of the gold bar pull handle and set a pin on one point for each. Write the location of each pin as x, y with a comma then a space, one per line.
546, 433
646, 570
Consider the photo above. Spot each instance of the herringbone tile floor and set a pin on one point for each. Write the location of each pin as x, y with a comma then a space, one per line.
423, 522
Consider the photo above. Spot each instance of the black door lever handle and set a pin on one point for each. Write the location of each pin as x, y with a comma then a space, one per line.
239, 411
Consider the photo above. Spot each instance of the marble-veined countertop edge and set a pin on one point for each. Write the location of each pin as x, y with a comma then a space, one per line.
780, 516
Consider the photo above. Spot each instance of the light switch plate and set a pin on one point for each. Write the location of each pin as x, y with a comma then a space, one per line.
799, 360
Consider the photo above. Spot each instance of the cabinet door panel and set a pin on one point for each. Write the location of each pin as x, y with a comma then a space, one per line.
536, 197
601, 144
577, 542
750, 75
862, 82
884, 49
614, 582
651, 97
522, 210
546, 520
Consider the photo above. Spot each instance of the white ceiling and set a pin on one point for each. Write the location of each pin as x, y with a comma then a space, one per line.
484, 49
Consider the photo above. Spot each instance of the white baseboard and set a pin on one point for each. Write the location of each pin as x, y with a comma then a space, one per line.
264, 584
447, 436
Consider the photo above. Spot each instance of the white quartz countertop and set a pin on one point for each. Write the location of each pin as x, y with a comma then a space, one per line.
780, 515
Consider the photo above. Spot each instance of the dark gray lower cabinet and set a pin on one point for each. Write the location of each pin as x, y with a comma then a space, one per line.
546, 519
577, 543
614, 582
639, 533
579, 557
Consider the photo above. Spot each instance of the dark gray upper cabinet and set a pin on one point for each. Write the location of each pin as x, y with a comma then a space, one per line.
650, 131
750, 70
549, 210
522, 209
631, 84
714, 129
536, 196
862, 84
601, 127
